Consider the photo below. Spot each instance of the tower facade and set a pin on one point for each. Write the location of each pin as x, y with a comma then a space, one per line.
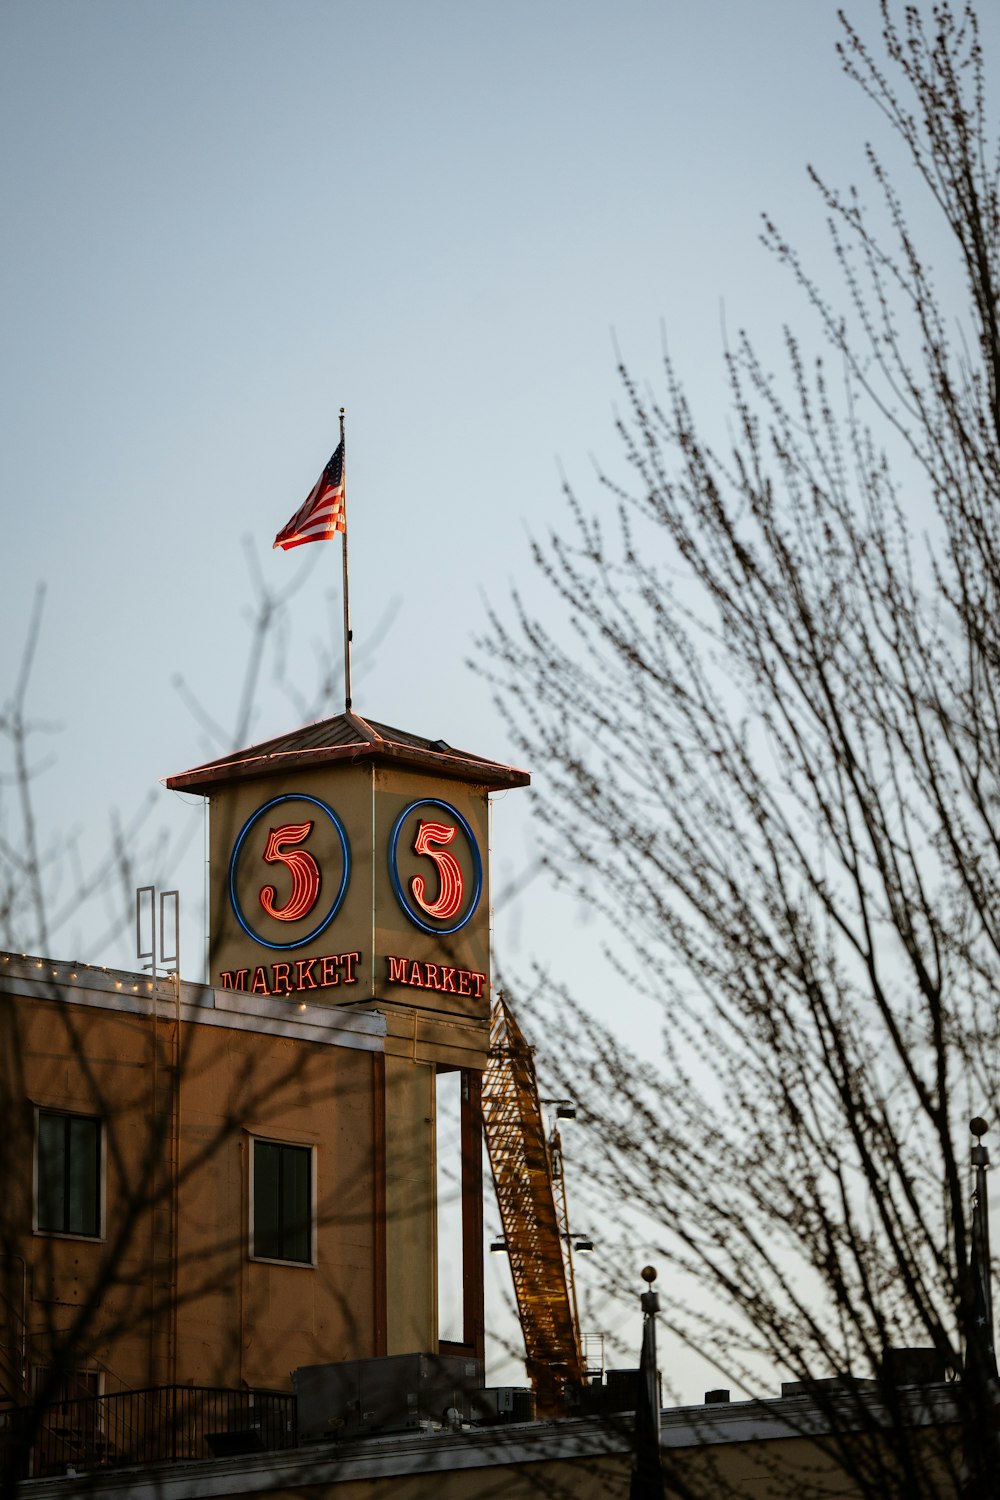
350, 869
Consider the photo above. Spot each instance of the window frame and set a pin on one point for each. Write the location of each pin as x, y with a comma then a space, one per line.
45, 1110
275, 1260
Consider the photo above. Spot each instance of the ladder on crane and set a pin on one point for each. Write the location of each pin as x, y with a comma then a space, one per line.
531, 1195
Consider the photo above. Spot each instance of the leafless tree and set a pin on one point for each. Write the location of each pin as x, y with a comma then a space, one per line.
763, 703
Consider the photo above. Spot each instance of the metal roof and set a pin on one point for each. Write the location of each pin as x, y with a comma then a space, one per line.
347, 738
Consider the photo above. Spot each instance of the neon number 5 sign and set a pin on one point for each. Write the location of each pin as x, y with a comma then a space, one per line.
449, 901
254, 904
444, 898
303, 869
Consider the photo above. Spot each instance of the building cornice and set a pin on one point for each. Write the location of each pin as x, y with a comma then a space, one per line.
127, 993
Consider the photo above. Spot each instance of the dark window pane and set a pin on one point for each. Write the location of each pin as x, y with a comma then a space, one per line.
51, 1172
295, 1214
69, 1173
266, 1204
282, 1201
85, 1166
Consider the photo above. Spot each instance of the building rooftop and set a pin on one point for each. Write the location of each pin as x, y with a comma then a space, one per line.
347, 738
771, 1443
96, 987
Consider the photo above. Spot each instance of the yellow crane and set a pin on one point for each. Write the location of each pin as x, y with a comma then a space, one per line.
531, 1195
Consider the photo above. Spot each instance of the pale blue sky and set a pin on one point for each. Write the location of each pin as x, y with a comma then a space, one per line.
226, 218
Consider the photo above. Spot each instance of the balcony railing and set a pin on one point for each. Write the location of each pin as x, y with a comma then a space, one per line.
161, 1423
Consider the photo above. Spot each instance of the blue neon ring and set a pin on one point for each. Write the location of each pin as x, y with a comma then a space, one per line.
397, 884
345, 850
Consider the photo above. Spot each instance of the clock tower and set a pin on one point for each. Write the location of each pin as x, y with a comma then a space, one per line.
349, 867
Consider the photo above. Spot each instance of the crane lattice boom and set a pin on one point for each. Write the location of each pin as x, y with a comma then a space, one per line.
531, 1212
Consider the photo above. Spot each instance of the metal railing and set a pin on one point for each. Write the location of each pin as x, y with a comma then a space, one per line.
154, 1425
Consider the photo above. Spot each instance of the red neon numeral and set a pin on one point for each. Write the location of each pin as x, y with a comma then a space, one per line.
304, 871
449, 871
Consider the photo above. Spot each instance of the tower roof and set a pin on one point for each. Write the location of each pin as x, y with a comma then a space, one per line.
347, 738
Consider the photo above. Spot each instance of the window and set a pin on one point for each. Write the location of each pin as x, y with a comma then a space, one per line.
69, 1174
282, 1202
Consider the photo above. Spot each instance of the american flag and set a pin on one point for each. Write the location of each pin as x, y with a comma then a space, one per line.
322, 515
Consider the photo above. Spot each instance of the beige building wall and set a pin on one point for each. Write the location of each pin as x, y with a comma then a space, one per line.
411, 1252
169, 1291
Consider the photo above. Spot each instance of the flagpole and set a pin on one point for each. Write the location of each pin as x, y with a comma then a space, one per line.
347, 603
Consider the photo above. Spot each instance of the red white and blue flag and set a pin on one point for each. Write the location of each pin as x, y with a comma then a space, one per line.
323, 514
